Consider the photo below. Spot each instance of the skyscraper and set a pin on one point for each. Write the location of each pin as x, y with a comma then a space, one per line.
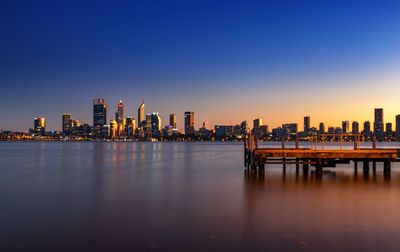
321, 128
378, 123
120, 113
345, 126
189, 123
119, 118
244, 126
307, 123
398, 127
39, 126
113, 129
147, 124
155, 124
389, 129
141, 120
367, 128
257, 123
172, 121
99, 112
354, 127
130, 126
66, 119
206, 125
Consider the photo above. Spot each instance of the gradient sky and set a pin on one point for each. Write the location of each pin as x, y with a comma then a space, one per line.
225, 60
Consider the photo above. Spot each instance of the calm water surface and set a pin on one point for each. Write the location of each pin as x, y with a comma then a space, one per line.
104, 196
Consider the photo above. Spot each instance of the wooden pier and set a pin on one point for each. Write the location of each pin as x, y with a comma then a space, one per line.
256, 158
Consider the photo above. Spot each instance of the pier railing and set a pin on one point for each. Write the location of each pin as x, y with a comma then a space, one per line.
317, 142
317, 154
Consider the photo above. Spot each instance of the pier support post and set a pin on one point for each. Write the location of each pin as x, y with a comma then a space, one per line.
297, 140
261, 169
318, 170
365, 169
386, 166
305, 167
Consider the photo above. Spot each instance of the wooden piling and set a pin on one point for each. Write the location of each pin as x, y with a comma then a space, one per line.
374, 142
297, 140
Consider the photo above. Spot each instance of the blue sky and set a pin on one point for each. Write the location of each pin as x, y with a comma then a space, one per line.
225, 60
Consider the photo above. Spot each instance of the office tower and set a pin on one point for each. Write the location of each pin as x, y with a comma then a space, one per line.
398, 126
66, 118
354, 127
189, 123
130, 126
113, 129
141, 120
367, 128
244, 127
206, 125
257, 123
119, 116
99, 112
222, 131
39, 126
147, 124
389, 128
292, 127
378, 123
155, 124
172, 121
331, 130
345, 126
321, 128
307, 123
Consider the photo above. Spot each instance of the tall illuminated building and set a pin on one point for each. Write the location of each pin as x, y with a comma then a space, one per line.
141, 119
99, 112
367, 128
389, 128
398, 127
119, 118
206, 125
345, 126
147, 124
66, 119
39, 126
99, 117
321, 128
354, 127
155, 124
244, 125
307, 123
113, 129
189, 123
172, 121
130, 126
378, 123
257, 123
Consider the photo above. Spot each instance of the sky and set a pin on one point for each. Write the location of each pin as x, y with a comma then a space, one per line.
227, 61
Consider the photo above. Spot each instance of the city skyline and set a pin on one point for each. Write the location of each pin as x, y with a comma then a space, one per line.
180, 120
226, 61
380, 127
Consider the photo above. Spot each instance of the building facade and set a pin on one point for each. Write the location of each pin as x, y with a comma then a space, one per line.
189, 123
